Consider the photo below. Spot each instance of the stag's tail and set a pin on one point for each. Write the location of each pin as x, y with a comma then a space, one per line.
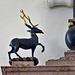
10, 44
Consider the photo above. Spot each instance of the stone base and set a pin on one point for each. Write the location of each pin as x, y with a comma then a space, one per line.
25, 61
22, 63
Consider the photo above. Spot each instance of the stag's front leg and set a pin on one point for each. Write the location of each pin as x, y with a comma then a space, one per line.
42, 47
9, 53
33, 49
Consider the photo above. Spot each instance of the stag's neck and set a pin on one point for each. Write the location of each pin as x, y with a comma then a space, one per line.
33, 35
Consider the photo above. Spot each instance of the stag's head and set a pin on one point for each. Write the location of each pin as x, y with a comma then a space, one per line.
33, 28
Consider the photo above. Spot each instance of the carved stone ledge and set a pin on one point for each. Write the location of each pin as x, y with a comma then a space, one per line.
56, 3
39, 70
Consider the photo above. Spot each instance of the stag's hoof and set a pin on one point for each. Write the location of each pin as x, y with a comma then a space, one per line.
21, 59
14, 59
35, 61
28, 59
10, 63
42, 51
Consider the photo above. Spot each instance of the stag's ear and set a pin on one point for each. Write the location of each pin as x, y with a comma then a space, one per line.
28, 26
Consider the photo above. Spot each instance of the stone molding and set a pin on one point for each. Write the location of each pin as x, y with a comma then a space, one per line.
35, 70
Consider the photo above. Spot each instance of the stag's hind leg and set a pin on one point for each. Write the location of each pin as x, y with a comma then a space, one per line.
9, 53
16, 48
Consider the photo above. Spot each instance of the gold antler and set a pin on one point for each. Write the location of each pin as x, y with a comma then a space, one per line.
23, 16
28, 18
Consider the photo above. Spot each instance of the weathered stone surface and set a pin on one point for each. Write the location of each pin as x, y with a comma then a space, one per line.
67, 60
69, 53
22, 63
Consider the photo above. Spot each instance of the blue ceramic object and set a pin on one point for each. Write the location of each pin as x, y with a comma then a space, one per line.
70, 35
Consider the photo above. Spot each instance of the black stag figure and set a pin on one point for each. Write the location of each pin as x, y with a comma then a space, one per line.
24, 43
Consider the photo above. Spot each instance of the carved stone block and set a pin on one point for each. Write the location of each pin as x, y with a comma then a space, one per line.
67, 60
22, 63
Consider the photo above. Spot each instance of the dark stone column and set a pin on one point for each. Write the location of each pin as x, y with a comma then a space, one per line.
73, 8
